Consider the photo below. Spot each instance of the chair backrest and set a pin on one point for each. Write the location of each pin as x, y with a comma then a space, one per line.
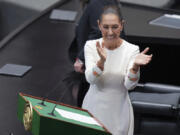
157, 88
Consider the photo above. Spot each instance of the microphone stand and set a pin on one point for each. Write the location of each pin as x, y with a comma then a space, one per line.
52, 112
43, 100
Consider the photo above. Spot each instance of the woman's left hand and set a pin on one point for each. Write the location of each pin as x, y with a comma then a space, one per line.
142, 58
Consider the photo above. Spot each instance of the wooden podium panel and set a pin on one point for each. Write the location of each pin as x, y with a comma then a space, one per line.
45, 124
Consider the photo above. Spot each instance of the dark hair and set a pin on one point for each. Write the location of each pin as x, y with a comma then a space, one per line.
112, 9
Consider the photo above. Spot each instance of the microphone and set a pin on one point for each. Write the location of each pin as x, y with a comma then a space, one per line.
61, 97
52, 112
47, 95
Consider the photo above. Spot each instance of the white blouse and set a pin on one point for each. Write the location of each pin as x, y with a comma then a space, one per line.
107, 98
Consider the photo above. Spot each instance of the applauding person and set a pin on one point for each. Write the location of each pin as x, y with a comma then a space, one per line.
112, 68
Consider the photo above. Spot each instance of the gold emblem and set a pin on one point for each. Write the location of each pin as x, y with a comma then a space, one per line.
38, 107
28, 115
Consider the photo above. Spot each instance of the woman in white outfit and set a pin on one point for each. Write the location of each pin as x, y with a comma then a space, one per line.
112, 68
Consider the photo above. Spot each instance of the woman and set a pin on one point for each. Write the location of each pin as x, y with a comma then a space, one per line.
87, 29
112, 68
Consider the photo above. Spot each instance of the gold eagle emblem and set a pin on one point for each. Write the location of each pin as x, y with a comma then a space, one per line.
28, 116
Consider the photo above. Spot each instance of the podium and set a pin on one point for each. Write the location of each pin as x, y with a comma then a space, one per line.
67, 120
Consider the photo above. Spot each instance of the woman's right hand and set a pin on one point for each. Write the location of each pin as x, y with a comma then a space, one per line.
101, 51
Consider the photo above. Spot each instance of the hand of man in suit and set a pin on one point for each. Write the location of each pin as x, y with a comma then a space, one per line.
78, 66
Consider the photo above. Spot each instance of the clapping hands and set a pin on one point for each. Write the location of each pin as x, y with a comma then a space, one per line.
101, 51
142, 58
102, 54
